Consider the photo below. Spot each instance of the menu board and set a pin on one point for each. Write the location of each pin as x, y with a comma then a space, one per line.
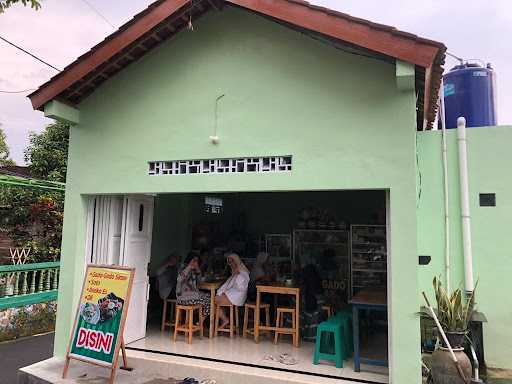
101, 314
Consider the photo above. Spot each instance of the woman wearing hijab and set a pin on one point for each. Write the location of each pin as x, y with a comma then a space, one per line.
234, 290
187, 292
167, 275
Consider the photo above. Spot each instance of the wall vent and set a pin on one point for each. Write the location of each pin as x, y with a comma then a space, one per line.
234, 165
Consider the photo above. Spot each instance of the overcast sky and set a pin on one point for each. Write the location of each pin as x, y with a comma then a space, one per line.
64, 29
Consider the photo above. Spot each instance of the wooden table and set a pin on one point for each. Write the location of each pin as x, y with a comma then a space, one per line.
366, 300
212, 287
278, 289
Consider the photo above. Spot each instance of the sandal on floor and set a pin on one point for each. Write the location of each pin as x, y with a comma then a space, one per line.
189, 380
284, 358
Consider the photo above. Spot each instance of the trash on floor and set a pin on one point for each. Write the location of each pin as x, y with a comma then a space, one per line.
283, 358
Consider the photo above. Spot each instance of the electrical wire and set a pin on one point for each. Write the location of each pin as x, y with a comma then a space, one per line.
23, 91
29, 53
98, 13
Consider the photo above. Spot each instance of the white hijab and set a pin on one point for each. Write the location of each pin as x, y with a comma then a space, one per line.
238, 262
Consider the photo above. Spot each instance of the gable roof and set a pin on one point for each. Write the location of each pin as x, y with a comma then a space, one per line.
165, 18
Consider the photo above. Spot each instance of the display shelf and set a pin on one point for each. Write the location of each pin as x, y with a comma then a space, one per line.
368, 257
368, 243
328, 250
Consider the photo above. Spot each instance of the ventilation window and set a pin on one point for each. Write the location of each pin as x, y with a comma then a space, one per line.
236, 165
487, 199
141, 217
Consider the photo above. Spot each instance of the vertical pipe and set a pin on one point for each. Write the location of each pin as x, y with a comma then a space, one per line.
464, 205
446, 196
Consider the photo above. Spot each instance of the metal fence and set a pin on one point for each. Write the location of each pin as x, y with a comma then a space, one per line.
26, 284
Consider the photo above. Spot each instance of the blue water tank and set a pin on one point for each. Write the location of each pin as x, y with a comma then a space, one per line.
470, 91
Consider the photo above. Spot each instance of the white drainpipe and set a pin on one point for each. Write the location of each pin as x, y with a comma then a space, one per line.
464, 205
446, 196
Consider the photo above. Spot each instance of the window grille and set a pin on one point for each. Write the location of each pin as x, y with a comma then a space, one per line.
234, 165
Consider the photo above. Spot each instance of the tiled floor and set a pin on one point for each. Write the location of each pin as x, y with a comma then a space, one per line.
240, 350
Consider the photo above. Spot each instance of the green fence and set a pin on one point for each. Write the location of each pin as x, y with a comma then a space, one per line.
26, 284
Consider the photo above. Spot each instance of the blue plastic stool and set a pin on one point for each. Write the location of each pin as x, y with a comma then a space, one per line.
334, 328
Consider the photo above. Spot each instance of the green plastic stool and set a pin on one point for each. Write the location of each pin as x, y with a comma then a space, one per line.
345, 320
338, 356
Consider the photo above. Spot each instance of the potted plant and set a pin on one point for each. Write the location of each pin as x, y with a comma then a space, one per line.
450, 365
454, 312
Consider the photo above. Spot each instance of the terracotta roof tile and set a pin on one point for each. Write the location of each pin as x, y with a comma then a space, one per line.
137, 36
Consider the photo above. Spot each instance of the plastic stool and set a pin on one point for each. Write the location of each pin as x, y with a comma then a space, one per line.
345, 319
338, 356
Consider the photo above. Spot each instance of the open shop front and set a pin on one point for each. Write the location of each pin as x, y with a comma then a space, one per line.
316, 260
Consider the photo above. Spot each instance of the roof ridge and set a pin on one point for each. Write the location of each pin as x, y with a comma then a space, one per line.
84, 74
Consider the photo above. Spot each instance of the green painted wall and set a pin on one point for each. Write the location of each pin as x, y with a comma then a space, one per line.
341, 116
489, 159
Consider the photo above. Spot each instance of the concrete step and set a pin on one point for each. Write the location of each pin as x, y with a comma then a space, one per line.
153, 368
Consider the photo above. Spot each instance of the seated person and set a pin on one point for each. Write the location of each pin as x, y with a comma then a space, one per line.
187, 292
166, 277
312, 299
260, 272
261, 269
234, 290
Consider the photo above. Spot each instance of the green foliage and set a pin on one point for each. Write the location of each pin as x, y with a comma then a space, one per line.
4, 150
27, 321
4, 4
47, 153
453, 310
32, 219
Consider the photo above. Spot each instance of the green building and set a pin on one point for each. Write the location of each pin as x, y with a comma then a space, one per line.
212, 125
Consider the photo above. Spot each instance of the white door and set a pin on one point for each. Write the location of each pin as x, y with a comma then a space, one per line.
136, 252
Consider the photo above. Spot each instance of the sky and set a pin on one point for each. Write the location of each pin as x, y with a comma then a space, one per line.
62, 30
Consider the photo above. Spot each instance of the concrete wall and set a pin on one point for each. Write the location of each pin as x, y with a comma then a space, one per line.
340, 115
489, 161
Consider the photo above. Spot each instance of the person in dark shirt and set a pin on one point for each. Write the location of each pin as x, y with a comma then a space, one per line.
166, 276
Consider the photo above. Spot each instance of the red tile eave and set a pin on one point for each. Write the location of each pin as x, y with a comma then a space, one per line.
375, 37
105, 50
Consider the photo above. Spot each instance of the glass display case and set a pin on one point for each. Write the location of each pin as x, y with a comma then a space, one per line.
328, 251
368, 247
279, 249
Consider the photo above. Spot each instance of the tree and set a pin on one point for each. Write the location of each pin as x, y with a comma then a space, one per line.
47, 153
33, 217
4, 150
4, 4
